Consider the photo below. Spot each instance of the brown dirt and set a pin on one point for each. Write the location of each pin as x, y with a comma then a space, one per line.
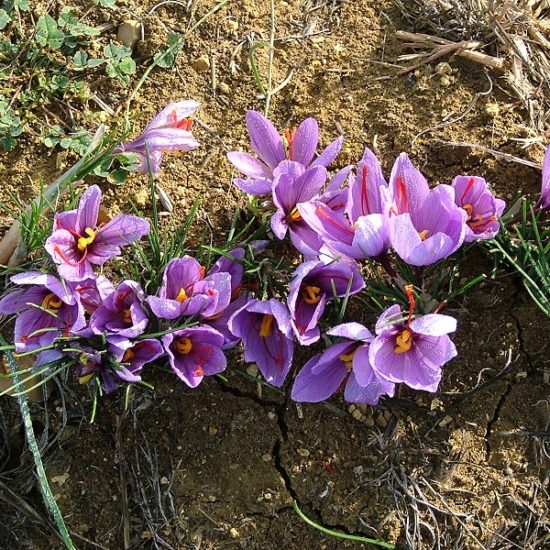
219, 466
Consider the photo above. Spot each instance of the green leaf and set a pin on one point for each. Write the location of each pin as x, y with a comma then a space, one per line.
48, 34
118, 176
127, 66
4, 19
166, 58
105, 3
80, 59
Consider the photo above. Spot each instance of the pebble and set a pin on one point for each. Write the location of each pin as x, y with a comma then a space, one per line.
443, 69
445, 81
266, 457
303, 452
201, 64
129, 32
252, 370
358, 470
232, 25
369, 421
492, 109
357, 414
271, 415
446, 421
60, 480
212, 430
268, 496
381, 421
224, 88
141, 198
234, 534
164, 480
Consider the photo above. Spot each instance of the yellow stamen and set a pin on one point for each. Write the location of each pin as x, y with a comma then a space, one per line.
128, 355
127, 317
182, 296
83, 242
184, 346
311, 294
294, 215
403, 342
478, 221
468, 208
423, 234
347, 359
85, 379
265, 327
51, 302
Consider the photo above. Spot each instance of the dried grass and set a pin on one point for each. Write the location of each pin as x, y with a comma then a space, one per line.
515, 31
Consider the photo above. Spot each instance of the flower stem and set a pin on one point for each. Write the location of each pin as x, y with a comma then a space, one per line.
33, 446
339, 534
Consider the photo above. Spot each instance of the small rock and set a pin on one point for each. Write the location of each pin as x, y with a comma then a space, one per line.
233, 466
381, 421
164, 480
268, 496
357, 414
369, 421
446, 421
201, 64
141, 197
266, 457
358, 470
212, 498
234, 534
304, 453
232, 25
129, 33
271, 415
445, 81
252, 370
492, 109
212, 431
443, 69
224, 88
60, 480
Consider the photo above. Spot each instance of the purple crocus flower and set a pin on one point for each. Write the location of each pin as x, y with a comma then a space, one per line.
425, 226
268, 146
186, 291
195, 353
362, 231
293, 184
346, 363
50, 308
78, 242
544, 200
266, 332
483, 210
313, 285
122, 313
131, 356
412, 350
170, 130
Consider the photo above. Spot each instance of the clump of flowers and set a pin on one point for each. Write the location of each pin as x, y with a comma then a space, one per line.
348, 228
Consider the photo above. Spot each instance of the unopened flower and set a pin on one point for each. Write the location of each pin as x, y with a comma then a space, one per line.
346, 363
170, 130
483, 210
270, 150
266, 332
121, 313
412, 350
313, 285
186, 291
78, 242
194, 353
50, 308
425, 226
545, 188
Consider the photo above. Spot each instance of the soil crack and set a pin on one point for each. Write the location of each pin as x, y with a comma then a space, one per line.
494, 418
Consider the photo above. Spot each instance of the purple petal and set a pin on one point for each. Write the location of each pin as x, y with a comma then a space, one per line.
249, 165
329, 153
173, 113
434, 325
304, 141
88, 209
122, 230
264, 139
254, 187
352, 331
408, 186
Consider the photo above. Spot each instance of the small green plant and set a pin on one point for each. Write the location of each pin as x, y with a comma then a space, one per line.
10, 125
77, 141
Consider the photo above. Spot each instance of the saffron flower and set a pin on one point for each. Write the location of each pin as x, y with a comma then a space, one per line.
313, 285
186, 291
170, 130
78, 242
270, 150
346, 363
266, 332
483, 210
544, 200
412, 350
122, 313
131, 356
294, 184
50, 308
425, 226
194, 353
362, 230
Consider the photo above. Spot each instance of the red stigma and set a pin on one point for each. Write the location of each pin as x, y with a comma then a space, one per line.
321, 213
469, 186
289, 136
60, 253
202, 271
402, 196
410, 296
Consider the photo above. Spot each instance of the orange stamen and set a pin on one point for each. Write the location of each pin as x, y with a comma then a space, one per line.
128, 355
311, 294
265, 327
403, 342
182, 296
184, 345
51, 302
126, 316
294, 216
